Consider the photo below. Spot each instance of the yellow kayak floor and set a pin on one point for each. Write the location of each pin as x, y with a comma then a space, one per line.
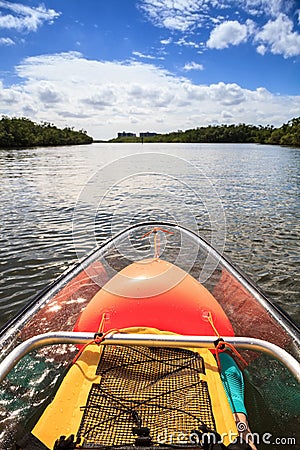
110, 390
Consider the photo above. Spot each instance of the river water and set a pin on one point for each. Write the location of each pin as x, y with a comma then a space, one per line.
57, 203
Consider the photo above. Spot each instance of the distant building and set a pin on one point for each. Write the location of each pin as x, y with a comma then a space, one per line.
125, 134
147, 134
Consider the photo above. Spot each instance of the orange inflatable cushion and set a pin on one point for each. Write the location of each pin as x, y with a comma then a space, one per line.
155, 294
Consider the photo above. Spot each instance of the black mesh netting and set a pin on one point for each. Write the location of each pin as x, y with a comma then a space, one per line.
156, 388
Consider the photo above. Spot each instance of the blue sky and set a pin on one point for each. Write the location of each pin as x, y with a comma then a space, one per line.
150, 65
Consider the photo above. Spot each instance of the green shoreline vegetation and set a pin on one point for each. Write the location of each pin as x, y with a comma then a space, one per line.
288, 134
23, 133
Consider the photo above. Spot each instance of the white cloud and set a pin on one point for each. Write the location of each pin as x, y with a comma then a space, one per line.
227, 33
278, 36
268, 7
174, 14
101, 98
192, 16
261, 49
107, 97
142, 55
229, 94
166, 41
21, 17
48, 94
184, 42
6, 41
182, 15
193, 66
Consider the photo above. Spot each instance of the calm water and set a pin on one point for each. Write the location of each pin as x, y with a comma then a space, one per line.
57, 203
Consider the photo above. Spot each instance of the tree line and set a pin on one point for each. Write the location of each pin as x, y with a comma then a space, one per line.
22, 132
288, 134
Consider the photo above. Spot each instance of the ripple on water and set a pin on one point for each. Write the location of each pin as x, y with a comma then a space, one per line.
258, 187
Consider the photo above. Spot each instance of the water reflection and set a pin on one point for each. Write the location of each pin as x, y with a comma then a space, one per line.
257, 185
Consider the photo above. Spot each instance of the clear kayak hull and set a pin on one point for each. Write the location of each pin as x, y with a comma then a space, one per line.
118, 286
